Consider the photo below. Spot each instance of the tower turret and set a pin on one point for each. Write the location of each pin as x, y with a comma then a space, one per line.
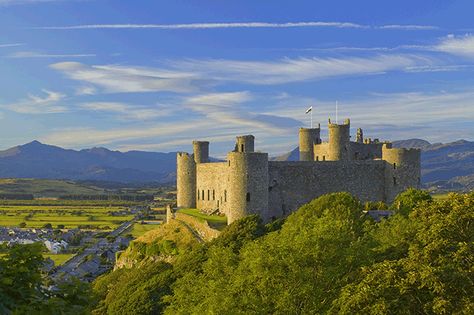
248, 185
185, 180
201, 151
245, 144
308, 137
402, 170
360, 136
339, 141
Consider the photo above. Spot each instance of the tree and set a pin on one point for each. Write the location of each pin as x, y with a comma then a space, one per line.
409, 199
434, 275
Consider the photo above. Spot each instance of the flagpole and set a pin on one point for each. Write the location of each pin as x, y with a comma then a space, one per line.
336, 113
311, 118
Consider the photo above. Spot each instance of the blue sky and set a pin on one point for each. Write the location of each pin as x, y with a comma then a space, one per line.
154, 75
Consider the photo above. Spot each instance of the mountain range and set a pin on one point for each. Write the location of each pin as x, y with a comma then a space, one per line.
444, 166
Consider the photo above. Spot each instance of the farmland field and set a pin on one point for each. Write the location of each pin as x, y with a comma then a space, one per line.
64, 216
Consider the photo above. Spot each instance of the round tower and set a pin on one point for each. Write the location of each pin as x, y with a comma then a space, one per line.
201, 151
307, 138
185, 180
402, 169
248, 185
339, 141
245, 144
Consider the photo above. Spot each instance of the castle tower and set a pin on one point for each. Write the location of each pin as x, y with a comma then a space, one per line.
248, 185
245, 144
339, 141
307, 138
360, 136
186, 180
402, 170
201, 151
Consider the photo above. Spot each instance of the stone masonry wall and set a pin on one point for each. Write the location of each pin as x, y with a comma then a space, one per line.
211, 186
292, 184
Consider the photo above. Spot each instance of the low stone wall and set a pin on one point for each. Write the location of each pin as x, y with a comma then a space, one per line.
202, 228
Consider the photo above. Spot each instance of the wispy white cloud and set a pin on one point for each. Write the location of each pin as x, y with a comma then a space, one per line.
95, 136
185, 76
227, 108
209, 25
33, 104
227, 25
408, 27
18, 2
123, 79
299, 69
32, 54
86, 90
457, 45
126, 111
11, 45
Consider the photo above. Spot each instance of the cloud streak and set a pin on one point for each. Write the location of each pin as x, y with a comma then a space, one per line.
187, 76
457, 45
126, 111
299, 69
241, 25
37, 105
31, 54
127, 79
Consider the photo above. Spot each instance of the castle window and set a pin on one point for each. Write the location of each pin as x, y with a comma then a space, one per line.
228, 162
317, 158
324, 158
394, 181
394, 166
213, 194
248, 197
208, 194
225, 195
217, 203
242, 148
202, 194
198, 195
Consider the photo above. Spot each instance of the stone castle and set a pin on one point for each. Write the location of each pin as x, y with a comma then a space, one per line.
249, 183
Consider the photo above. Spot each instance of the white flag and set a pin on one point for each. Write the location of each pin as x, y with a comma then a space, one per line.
309, 109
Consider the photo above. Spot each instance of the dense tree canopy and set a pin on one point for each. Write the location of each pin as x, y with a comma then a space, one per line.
326, 258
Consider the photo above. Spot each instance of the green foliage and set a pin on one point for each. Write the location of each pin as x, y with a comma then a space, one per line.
409, 199
134, 291
23, 289
434, 272
326, 258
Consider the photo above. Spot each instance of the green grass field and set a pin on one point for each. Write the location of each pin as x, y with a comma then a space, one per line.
58, 259
215, 221
70, 216
138, 229
46, 187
